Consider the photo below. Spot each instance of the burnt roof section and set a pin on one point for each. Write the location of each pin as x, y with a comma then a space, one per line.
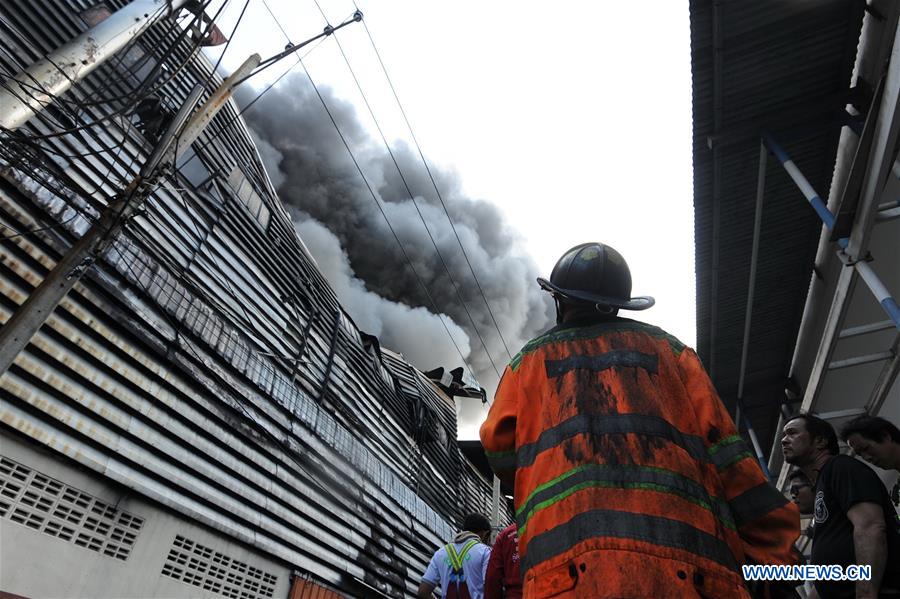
454, 383
782, 67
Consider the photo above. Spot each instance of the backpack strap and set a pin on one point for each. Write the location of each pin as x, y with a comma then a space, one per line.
456, 559
465, 550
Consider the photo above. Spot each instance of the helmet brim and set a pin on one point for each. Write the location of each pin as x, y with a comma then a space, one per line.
634, 303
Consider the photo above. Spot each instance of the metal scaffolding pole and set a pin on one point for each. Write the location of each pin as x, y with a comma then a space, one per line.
751, 287
881, 293
495, 509
31, 315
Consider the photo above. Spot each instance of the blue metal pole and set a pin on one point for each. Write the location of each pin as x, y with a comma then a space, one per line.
879, 291
888, 303
801, 181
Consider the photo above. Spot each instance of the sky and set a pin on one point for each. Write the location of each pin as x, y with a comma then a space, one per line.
573, 119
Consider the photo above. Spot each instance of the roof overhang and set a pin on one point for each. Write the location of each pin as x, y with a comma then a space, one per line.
783, 68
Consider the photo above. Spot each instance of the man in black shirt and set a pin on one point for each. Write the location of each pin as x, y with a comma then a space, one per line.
854, 519
877, 441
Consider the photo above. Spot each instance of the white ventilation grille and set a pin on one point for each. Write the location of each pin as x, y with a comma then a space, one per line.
212, 571
46, 505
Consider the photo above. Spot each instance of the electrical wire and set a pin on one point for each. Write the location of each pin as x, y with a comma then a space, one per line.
277, 22
232, 120
434, 184
190, 346
39, 229
20, 140
230, 38
418, 210
129, 100
197, 18
40, 170
431, 300
113, 74
419, 279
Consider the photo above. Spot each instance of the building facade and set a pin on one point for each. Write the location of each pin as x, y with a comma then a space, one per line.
199, 417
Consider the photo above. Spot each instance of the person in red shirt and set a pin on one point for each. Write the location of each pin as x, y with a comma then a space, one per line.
503, 579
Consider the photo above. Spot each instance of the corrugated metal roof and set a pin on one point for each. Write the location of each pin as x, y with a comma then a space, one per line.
761, 65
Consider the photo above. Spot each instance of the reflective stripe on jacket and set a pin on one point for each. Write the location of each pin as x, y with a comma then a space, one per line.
630, 478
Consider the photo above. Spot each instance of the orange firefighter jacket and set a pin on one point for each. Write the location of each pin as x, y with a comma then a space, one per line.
630, 478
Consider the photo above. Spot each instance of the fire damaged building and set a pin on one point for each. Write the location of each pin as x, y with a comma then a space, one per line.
198, 416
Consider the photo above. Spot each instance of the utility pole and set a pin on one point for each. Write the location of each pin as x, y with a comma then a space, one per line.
214, 104
182, 132
29, 317
27, 93
15, 111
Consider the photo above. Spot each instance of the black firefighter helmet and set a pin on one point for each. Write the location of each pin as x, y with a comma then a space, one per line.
593, 273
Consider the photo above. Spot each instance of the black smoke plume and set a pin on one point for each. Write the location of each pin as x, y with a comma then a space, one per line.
338, 219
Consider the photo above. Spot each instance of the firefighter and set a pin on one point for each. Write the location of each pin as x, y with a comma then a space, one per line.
630, 478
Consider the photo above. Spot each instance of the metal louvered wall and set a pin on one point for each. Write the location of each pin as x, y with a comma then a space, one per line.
204, 362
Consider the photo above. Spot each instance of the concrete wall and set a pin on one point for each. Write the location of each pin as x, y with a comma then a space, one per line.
34, 563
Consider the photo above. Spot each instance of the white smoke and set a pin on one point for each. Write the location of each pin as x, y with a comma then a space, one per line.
411, 331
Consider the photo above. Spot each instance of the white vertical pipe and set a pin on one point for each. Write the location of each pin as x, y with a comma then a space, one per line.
495, 509
754, 255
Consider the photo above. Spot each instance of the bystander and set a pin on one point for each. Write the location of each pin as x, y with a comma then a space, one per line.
854, 518
877, 441
458, 568
504, 579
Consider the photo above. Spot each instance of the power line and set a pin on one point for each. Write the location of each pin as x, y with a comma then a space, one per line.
195, 152
418, 210
129, 99
143, 89
231, 37
118, 61
436, 190
277, 22
380, 207
386, 220
202, 363
39, 229
19, 139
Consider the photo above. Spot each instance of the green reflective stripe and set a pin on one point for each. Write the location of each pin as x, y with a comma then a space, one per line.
755, 503
657, 530
501, 460
558, 334
729, 451
730, 440
621, 477
456, 559
451, 555
597, 425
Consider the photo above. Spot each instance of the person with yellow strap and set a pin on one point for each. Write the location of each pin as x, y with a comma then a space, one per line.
459, 567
